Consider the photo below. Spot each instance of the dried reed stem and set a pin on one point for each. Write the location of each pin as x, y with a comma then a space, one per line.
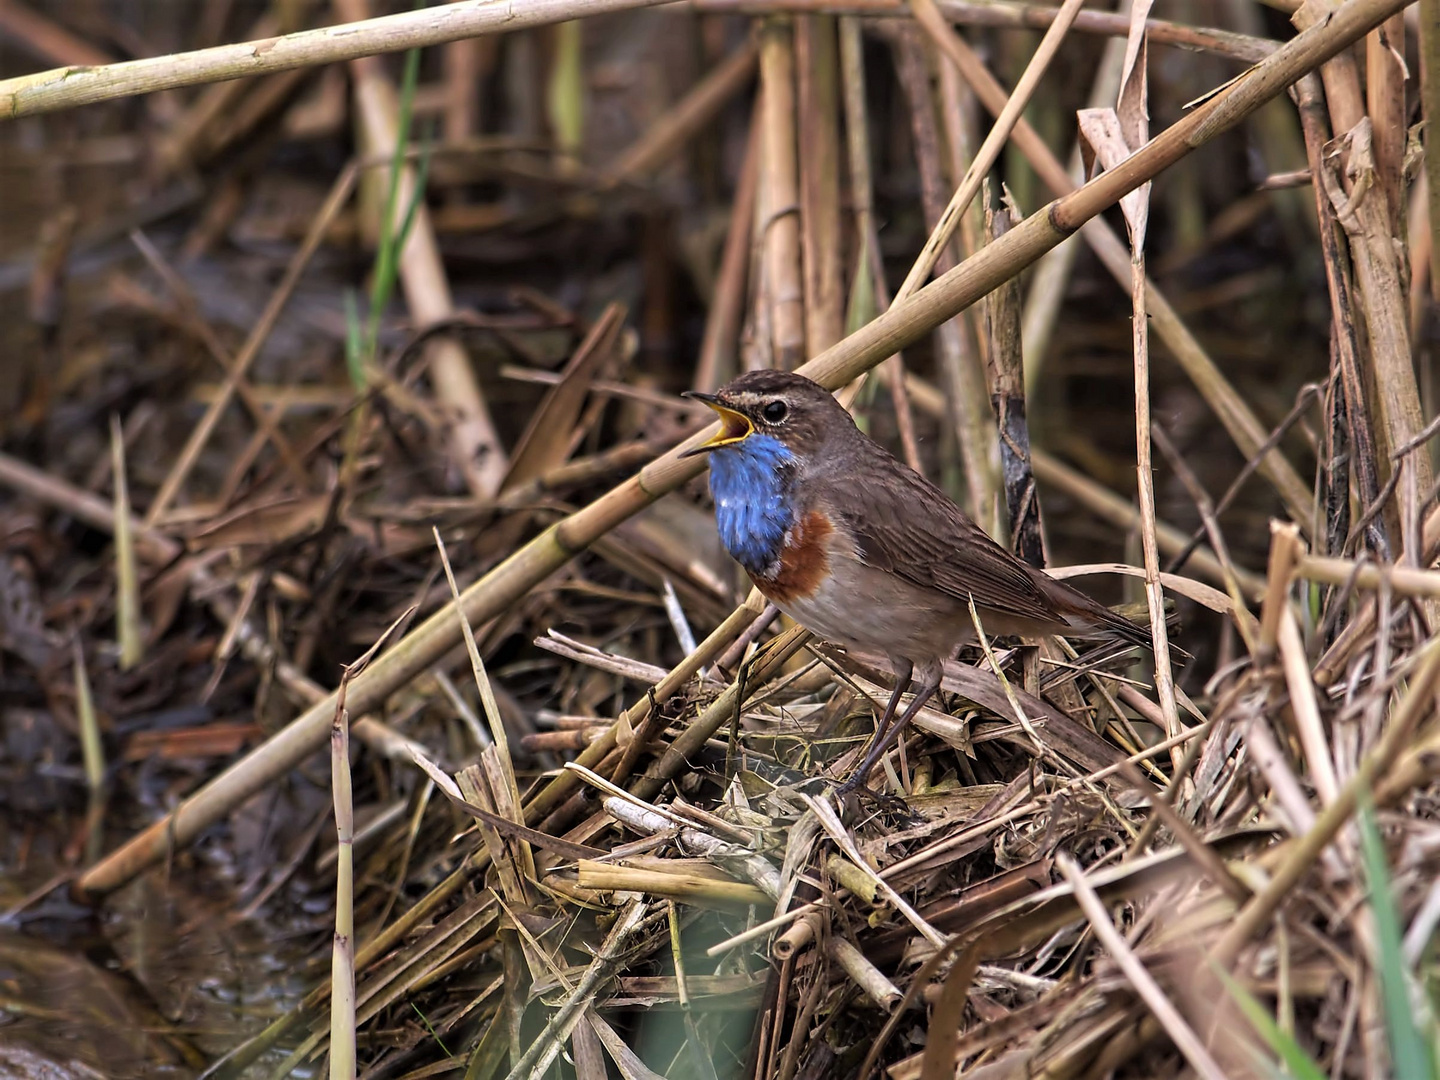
1359, 432
818, 98
1005, 14
1430, 111
870, 979
538, 1057
694, 889
1385, 98
67, 87
780, 195
1007, 395
127, 573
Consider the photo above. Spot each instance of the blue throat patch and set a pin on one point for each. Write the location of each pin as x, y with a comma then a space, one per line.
753, 510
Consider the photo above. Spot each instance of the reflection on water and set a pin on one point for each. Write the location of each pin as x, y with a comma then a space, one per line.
157, 984
63, 1016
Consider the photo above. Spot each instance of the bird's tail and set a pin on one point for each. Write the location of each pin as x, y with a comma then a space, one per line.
1096, 620
1127, 630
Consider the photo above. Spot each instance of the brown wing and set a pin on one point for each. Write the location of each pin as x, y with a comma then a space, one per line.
910, 528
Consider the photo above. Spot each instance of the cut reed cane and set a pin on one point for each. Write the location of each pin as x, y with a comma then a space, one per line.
870, 979
693, 889
342, 973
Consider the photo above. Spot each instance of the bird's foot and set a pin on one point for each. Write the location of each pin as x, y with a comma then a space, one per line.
854, 797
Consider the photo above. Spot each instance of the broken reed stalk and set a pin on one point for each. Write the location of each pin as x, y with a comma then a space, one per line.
87, 720
92, 754
941, 299
719, 712
1402, 580
342, 969
128, 632
645, 819
67, 87
1007, 396
537, 1058
870, 979
695, 890
633, 729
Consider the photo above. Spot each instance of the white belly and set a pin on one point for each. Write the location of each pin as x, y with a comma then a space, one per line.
872, 611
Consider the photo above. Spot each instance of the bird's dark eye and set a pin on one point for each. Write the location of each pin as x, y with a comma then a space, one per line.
775, 411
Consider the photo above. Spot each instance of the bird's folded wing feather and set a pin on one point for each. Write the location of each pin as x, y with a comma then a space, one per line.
909, 528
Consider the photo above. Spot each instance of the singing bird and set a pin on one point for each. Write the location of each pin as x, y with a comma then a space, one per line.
862, 550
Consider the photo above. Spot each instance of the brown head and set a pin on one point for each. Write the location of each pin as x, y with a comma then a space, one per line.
801, 414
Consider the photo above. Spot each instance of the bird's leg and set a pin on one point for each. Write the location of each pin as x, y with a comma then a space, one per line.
885, 737
903, 670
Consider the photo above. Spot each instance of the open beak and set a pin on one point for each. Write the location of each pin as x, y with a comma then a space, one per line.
734, 426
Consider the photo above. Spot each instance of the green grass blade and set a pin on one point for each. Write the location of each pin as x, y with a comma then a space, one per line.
565, 96
417, 200
862, 307
354, 341
1412, 1057
387, 254
1298, 1063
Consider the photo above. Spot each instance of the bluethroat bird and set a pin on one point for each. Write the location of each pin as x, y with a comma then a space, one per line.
865, 552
